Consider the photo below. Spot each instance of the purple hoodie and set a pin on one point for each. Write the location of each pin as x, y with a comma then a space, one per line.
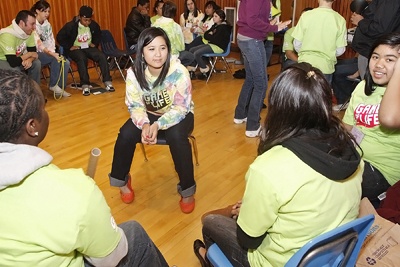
254, 19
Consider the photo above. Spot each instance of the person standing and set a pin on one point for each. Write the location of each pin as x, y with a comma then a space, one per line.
17, 46
80, 39
320, 37
137, 21
46, 49
380, 17
254, 26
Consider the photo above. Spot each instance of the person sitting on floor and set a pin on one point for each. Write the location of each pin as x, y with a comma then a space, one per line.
80, 39
284, 208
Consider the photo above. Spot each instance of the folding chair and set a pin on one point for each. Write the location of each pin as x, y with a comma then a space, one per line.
71, 71
113, 53
338, 247
213, 57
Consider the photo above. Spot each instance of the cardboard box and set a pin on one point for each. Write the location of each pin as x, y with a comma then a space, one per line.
382, 244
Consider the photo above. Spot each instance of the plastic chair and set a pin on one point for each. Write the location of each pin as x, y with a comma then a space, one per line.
338, 247
162, 141
213, 57
110, 49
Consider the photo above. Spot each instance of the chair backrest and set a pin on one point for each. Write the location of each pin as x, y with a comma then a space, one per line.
107, 42
338, 247
217, 257
127, 47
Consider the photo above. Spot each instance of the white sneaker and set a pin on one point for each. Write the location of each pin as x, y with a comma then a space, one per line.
253, 134
239, 121
56, 89
340, 107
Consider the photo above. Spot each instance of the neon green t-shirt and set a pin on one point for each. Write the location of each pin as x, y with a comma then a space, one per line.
275, 12
53, 217
288, 40
321, 31
292, 203
84, 37
12, 45
381, 146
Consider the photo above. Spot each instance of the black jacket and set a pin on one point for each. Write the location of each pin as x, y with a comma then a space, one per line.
135, 24
219, 35
68, 33
380, 17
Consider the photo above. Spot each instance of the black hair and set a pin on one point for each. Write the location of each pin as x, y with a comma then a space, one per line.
20, 101
169, 9
139, 67
300, 101
393, 41
221, 14
40, 5
23, 15
156, 4
214, 6
142, 2
186, 11
307, 9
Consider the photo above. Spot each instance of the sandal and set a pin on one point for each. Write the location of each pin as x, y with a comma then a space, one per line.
197, 245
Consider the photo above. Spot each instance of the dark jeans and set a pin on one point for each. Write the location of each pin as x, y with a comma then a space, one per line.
179, 146
80, 56
373, 184
222, 230
197, 41
198, 52
342, 87
141, 249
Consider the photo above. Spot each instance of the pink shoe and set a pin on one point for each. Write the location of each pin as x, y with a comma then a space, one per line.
128, 197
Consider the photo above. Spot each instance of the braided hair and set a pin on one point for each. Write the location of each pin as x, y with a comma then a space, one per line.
19, 101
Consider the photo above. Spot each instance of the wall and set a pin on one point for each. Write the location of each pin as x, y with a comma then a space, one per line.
110, 14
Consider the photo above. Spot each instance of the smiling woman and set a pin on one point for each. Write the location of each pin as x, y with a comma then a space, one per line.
159, 98
380, 146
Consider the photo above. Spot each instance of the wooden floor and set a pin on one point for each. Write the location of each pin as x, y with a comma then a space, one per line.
78, 124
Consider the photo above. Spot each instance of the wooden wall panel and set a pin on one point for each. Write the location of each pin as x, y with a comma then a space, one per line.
109, 14
112, 14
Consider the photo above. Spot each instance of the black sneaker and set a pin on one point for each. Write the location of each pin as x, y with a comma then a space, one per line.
203, 75
192, 75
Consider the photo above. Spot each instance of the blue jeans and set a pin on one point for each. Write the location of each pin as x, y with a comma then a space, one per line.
55, 67
269, 46
221, 230
186, 58
254, 88
198, 52
179, 146
33, 72
141, 249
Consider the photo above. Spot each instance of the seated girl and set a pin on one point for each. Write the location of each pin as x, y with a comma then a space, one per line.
215, 40
306, 180
380, 145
